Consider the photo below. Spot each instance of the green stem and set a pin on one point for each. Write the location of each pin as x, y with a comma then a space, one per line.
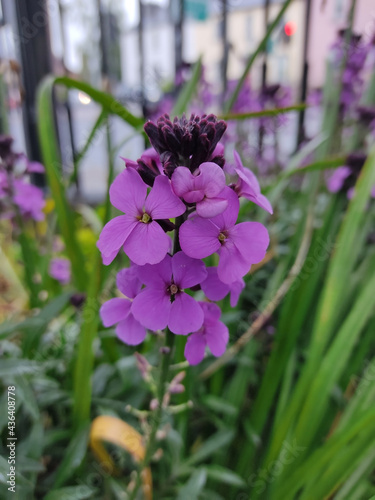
157, 415
28, 257
160, 392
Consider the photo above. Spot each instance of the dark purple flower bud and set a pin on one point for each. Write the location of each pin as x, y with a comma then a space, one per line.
366, 114
5, 145
77, 300
356, 161
185, 142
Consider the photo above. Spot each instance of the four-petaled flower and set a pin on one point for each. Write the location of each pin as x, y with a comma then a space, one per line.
239, 245
203, 188
213, 333
118, 310
138, 231
164, 302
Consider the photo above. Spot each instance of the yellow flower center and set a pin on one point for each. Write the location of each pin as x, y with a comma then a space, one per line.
145, 218
222, 237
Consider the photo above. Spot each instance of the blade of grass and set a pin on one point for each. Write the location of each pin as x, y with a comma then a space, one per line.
188, 90
52, 163
108, 103
341, 265
259, 114
261, 48
333, 364
78, 157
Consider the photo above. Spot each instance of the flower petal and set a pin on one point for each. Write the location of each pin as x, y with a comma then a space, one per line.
147, 244
217, 336
162, 203
187, 272
210, 207
212, 312
211, 179
128, 282
114, 310
194, 348
251, 239
336, 180
186, 315
157, 275
128, 192
235, 291
228, 218
199, 237
232, 265
152, 308
183, 182
247, 176
113, 236
131, 331
213, 287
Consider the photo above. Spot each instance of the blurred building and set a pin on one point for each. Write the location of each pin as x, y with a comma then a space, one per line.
203, 35
327, 18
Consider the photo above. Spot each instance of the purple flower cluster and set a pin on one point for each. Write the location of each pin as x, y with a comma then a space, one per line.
16, 192
353, 75
184, 186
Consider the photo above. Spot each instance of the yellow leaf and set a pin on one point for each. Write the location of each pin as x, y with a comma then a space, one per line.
116, 431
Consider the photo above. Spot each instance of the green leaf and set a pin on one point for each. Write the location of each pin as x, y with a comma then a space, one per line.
259, 114
77, 492
107, 102
332, 297
188, 90
10, 368
224, 475
82, 387
73, 457
219, 405
52, 163
325, 164
210, 446
194, 486
38, 324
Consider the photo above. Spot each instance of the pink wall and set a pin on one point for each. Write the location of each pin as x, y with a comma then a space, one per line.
327, 17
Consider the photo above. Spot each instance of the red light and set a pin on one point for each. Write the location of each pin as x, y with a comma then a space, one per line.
290, 28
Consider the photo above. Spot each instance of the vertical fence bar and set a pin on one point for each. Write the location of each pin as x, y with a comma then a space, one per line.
304, 80
224, 35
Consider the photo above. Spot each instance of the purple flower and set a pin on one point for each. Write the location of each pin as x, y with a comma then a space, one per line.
213, 333
118, 310
337, 179
203, 188
138, 231
215, 289
148, 166
163, 302
59, 269
239, 246
29, 199
34, 167
247, 185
